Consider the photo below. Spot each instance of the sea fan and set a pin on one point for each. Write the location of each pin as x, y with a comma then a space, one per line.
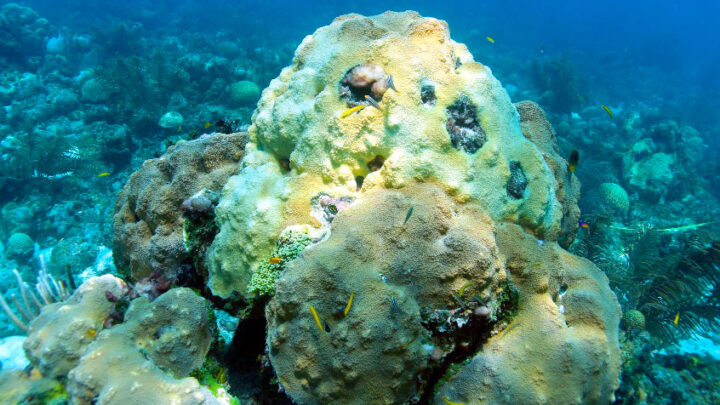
676, 287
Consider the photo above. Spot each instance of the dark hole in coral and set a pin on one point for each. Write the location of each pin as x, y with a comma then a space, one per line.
427, 95
359, 181
285, 164
376, 164
465, 131
458, 62
517, 182
249, 371
563, 288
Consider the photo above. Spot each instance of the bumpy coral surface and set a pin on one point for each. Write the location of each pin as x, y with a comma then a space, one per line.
147, 359
394, 270
434, 271
148, 221
562, 346
537, 129
465, 140
59, 336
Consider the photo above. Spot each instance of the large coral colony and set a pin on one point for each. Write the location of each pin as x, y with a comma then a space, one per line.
390, 229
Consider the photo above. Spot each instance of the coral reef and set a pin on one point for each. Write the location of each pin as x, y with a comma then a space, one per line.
148, 220
565, 330
432, 265
298, 127
538, 130
149, 356
393, 270
59, 336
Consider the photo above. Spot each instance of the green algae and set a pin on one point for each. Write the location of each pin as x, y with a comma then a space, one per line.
288, 247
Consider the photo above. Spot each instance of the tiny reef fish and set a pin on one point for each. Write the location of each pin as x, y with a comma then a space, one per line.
391, 83
583, 225
462, 289
207, 125
489, 38
352, 110
275, 260
449, 402
677, 318
574, 158
394, 304
409, 213
91, 333
372, 102
349, 304
607, 109
317, 318
409, 343
103, 174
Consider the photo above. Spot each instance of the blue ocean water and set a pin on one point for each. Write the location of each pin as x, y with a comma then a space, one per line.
92, 89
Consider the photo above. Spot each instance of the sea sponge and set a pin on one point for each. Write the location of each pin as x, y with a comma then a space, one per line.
148, 220
58, 337
147, 359
301, 147
614, 198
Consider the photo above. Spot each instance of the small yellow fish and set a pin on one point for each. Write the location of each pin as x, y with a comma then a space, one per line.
275, 260
462, 289
317, 318
103, 174
409, 343
492, 41
449, 402
347, 307
352, 110
91, 333
207, 125
573, 162
607, 109
35, 374
677, 318
180, 128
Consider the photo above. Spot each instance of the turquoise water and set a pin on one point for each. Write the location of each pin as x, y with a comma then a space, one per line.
91, 90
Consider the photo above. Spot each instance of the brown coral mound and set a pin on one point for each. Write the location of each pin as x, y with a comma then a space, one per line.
538, 130
148, 222
402, 274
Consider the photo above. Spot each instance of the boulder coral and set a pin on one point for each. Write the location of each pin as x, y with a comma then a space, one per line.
464, 138
147, 359
434, 270
148, 221
59, 336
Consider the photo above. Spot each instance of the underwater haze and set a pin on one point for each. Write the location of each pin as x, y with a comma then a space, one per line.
419, 202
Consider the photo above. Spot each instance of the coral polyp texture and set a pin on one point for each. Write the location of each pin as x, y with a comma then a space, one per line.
148, 222
434, 212
468, 141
